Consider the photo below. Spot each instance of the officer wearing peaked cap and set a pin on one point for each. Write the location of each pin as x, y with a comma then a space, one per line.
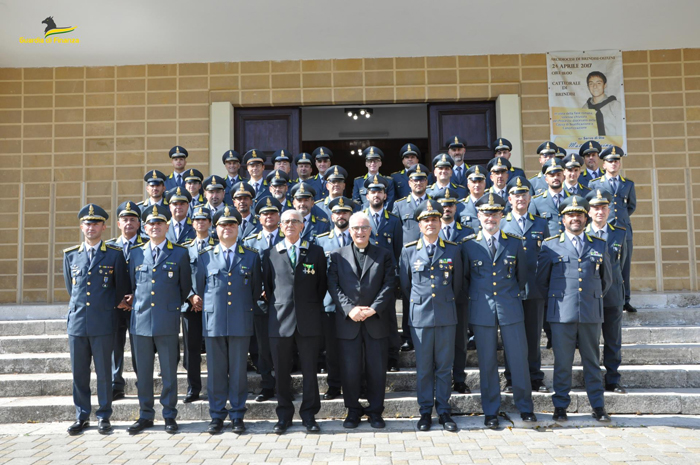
546, 151
161, 282
279, 184
623, 206
574, 273
155, 185
335, 179
614, 237
232, 162
496, 269
442, 170
373, 161
322, 159
243, 194
96, 280
572, 175
304, 163
193, 184
410, 155
215, 193
546, 204
303, 201
533, 230
178, 157
589, 151
282, 161
227, 284
180, 230
129, 223
457, 149
499, 172
431, 277
255, 163
476, 185
503, 148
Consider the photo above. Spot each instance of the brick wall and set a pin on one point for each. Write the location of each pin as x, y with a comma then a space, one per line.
73, 135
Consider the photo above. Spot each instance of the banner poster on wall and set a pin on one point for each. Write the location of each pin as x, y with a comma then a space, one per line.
586, 98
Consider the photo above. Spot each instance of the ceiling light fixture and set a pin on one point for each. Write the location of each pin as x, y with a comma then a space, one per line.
355, 113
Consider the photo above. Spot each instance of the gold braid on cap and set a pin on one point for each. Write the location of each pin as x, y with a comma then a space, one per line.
92, 211
518, 182
574, 203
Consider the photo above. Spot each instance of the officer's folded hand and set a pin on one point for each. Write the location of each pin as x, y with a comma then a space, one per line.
125, 304
368, 312
196, 302
356, 314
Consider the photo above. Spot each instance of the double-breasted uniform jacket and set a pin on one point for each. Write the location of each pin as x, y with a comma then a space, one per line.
617, 249
372, 286
193, 250
388, 234
431, 284
295, 295
467, 214
535, 232
95, 288
229, 293
359, 191
538, 183
543, 205
496, 285
160, 289
253, 225
404, 208
574, 285
624, 201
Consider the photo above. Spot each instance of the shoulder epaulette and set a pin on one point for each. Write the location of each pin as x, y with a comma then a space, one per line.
187, 242
596, 237
552, 237
595, 179
324, 234
402, 198
322, 220
250, 238
538, 195
205, 249
359, 177
463, 187
449, 242
250, 248
396, 172
179, 245
514, 235
69, 249
537, 216
318, 201
114, 239
620, 227
135, 246
113, 247
535, 176
410, 244
469, 237
393, 214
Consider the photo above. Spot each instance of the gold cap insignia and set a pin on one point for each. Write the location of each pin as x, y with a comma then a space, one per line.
241, 188
499, 162
214, 180
303, 156
447, 193
599, 195
254, 154
613, 151
500, 141
371, 150
341, 203
553, 162
547, 146
277, 174
282, 152
491, 202
376, 181
200, 212
179, 192
128, 206
177, 149
518, 182
418, 169
409, 148
574, 203
191, 172
269, 204
335, 171
227, 211
92, 211
154, 175
301, 187
321, 151
428, 206
456, 140
444, 157
590, 145
155, 210
476, 170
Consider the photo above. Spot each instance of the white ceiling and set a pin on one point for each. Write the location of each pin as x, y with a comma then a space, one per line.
178, 31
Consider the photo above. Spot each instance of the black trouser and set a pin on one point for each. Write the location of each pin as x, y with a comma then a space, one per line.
394, 337
282, 356
123, 320
330, 344
192, 358
534, 313
261, 323
461, 339
374, 357
406, 309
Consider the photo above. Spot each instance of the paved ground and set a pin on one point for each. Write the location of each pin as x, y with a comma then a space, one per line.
634, 439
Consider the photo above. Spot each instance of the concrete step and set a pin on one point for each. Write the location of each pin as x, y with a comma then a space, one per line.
632, 354
397, 405
633, 377
57, 343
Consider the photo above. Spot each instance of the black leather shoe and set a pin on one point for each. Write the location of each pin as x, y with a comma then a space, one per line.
425, 422
237, 425
600, 414
78, 427
549, 344
139, 426
281, 427
461, 388
508, 389
491, 421
118, 394
189, 398
560, 414
629, 308
528, 417
265, 394
539, 386
251, 367
311, 426
351, 421
216, 426
406, 346
104, 426
615, 388
471, 345
376, 421
447, 422
393, 366
171, 426
331, 393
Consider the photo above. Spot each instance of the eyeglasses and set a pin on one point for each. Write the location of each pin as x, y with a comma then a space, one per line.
288, 222
360, 228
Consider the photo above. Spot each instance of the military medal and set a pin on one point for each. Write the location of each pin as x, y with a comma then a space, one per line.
170, 274
447, 276
309, 268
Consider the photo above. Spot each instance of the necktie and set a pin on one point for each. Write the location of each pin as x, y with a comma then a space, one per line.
431, 250
127, 244
344, 239
577, 244
243, 225
179, 180
200, 244
459, 171
376, 219
293, 256
573, 190
600, 233
613, 183
228, 259
448, 232
557, 200
156, 253
178, 229
492, 247
521, 223
269, 241
91, 256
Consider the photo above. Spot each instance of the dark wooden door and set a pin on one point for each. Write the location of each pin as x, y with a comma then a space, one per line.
473, 121
268, 130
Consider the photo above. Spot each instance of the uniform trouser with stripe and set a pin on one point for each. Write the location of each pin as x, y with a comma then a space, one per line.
83, 350
227, 377
534, 313
168, 348
434, 359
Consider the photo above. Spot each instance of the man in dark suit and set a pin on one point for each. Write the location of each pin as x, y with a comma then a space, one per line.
362, 281
294, 277
96, 280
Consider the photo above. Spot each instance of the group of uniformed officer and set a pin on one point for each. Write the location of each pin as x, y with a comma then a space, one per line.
474, 249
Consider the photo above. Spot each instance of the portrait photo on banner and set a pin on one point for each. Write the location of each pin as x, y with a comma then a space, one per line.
586, 98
